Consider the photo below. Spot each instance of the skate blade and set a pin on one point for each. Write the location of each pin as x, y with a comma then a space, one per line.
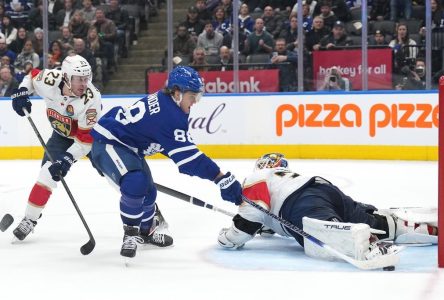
127, 261
15, 240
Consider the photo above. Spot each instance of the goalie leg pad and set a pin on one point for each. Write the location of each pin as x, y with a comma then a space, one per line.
349, 238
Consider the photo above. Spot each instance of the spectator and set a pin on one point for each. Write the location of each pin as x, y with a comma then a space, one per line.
400, 8
9, 31
4, 51
378, 39
37, 42
183, 43
414, 79
337, 38
282, 6
80, 49
313, 38
55, 55
380, 10
228, 7
334, 81
35, 18
272, 23
290, 34
66, 39
120, 17
404, 48
203, 13
2, 10
220, 22
226, 59
88, 10
18, 10
64, 15
107, 32
27, 55
6, 61
193, 24
338, 7
95, 45
437, 14
259, 41
246, 22
199, 62
78, 26
327, 14
210, 40
311, 8
286, 62
307, 19
7, 82
17, 45
54, 6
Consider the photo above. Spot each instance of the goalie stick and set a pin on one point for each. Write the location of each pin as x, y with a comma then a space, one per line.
376, 263
191, 199
89, 246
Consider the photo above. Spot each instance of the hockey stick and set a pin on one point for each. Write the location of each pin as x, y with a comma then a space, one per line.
377, 263
190, 199
89, 246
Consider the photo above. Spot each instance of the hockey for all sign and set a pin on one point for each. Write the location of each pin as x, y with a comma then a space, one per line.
349, 63
250, 81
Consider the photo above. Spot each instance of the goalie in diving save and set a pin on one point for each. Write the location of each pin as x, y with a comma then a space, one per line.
322, 210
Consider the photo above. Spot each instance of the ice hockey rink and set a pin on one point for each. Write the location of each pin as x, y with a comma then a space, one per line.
49, 265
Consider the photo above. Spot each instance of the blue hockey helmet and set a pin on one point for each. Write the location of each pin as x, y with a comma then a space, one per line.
185, 79
271, 160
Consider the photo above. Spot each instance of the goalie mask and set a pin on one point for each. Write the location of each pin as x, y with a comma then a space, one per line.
271, 160
185, 79
75, 65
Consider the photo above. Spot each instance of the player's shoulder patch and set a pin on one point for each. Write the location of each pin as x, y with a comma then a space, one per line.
37, 74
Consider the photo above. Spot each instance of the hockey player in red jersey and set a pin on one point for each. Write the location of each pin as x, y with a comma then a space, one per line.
325, 212
73, 106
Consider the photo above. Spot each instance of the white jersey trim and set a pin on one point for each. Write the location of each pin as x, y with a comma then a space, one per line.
181, 149
149, 218
187, 160
116, 159
131, 216
103, 131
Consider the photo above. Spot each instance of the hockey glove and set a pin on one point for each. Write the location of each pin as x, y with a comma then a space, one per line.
61, 166
20, 100
230, 188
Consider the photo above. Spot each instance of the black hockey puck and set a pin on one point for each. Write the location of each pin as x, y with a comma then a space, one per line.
6, 221
389, 268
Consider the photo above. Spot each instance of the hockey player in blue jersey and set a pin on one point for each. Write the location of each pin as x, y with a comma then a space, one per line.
157, 123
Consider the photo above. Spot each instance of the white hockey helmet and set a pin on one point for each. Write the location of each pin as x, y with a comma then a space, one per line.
75, 65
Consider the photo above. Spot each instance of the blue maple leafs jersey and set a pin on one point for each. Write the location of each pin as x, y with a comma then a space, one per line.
155, 124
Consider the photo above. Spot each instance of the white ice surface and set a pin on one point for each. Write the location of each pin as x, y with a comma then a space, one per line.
48, 264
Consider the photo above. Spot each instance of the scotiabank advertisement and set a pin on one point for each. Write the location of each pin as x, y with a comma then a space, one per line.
250, 81
349, 63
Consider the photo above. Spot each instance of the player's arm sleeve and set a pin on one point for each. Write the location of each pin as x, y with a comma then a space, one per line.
83, 139
27, 81
190, 160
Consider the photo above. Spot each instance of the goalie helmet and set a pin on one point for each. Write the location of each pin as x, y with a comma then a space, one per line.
185, 79
271, 160
75, 65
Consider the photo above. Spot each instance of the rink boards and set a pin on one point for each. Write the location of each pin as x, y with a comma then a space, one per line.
353, 125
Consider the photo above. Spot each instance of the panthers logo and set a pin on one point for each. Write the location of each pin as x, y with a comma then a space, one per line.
60, 123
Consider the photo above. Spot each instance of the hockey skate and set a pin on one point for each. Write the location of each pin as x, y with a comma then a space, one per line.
25, 227
130, 240
158, 235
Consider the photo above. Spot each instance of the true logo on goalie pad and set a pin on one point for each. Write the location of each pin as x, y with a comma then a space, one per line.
339, 227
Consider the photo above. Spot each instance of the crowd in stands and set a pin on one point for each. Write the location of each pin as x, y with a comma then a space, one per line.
268, 35
99, 30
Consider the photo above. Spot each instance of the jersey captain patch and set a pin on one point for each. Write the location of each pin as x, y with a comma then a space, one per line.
62, 124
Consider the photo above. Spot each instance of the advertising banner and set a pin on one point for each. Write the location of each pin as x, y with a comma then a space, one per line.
251, 81
349, 62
